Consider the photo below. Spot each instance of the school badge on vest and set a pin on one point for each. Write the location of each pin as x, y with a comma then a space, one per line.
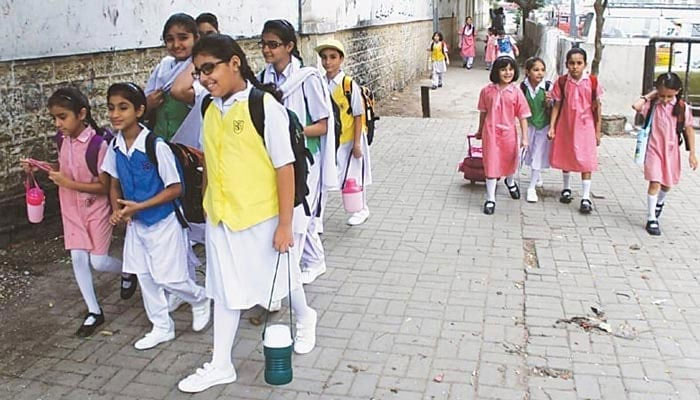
237, 126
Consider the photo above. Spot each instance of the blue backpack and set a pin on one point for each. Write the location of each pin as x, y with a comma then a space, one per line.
504, 45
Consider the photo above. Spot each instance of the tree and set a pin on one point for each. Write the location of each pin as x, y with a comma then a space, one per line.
599, 6
526, 6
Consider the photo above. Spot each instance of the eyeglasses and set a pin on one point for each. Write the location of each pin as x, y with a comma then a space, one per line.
272, 44
206, 69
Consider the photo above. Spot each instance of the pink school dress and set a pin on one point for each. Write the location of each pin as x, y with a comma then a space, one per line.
85, 215
499, 135
491, 51
574, 146
467, 45
663, 157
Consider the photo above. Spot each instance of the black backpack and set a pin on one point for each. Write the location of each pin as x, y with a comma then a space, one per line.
190, 167
296, 139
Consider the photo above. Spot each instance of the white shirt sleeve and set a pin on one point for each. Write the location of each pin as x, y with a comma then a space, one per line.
151, 83
167, 168
109, 165
277, 133
318, 107
358, 104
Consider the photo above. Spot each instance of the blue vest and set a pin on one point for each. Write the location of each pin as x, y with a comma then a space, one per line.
140, 181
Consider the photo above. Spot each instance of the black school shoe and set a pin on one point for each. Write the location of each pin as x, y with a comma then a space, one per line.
566, 196
513, 190
659, 209
586, 206
489, 207
653, 228
88, 330
128, 286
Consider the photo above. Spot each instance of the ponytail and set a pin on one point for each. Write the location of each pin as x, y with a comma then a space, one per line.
271, 88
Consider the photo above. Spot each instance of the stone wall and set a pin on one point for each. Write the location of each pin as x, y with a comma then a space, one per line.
385, 57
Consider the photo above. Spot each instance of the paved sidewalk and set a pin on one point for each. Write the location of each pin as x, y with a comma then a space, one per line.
431, 299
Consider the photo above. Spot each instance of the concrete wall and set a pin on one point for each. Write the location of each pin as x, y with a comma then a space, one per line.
384, 57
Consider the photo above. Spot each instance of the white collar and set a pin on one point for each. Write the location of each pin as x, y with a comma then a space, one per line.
139, 144
338, 78
293, 65
238, 96
533, 91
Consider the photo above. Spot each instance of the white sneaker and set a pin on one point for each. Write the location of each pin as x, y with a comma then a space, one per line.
310, 274
539, 183
305, 341
275, 306
201, 314
153, 339
359, 217
531, 195
174, 302
206, 377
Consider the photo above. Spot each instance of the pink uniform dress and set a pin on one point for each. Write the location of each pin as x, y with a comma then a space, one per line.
574, 146
491, 51
467, 45
499, 134
663, 158
85, 216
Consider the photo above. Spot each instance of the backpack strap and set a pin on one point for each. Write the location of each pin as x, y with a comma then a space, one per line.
547, 85
523, 87
92, 153
256, 108
205, 104
647, 118
594, 98
347, 89
58, 138
561, 81
151, 140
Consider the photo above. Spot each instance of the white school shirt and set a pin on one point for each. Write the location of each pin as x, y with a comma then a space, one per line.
164, 74
533, 91
276, 132
313, 91
167, 168
358, 108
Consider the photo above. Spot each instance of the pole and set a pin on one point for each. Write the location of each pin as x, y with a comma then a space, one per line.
573, 24
436, 20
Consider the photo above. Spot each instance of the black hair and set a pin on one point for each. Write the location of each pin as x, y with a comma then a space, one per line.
285, 31
671, 80
530, 62
224, 48
208, 18
130, 91
439, 35
184, 20
500, 32
74, 100
500, 63
576, 50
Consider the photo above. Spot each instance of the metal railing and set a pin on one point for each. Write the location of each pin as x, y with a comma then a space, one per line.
650, 65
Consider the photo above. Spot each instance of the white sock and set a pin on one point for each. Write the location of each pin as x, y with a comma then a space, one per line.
225, 327
651, 207
301, 310
83, 276
534, 178
662, 197
490, 189
105, 263
586, 186
567, 180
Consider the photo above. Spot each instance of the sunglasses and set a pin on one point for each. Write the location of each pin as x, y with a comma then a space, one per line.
272, 44
206, 69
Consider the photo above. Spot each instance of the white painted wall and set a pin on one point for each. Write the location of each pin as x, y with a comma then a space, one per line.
41, 28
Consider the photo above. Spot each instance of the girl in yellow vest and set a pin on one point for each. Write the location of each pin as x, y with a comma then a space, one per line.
249, 202
304, 93
353, 153
439, 58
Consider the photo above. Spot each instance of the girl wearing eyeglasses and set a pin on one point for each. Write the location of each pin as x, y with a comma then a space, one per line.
249, 203
304, 92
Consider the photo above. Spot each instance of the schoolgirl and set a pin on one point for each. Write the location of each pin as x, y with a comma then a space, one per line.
439, 59
575, 126
467, 46
536, 88
304, 93
144, 196
669, 116
179, 34
83, 194
500, 104
207, 23
353, 152
491, 49
249, 201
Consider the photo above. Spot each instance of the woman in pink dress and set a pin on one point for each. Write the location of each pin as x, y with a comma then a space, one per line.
491, 48
575, 126
500, 104
671, 120
85, 207
467, 43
